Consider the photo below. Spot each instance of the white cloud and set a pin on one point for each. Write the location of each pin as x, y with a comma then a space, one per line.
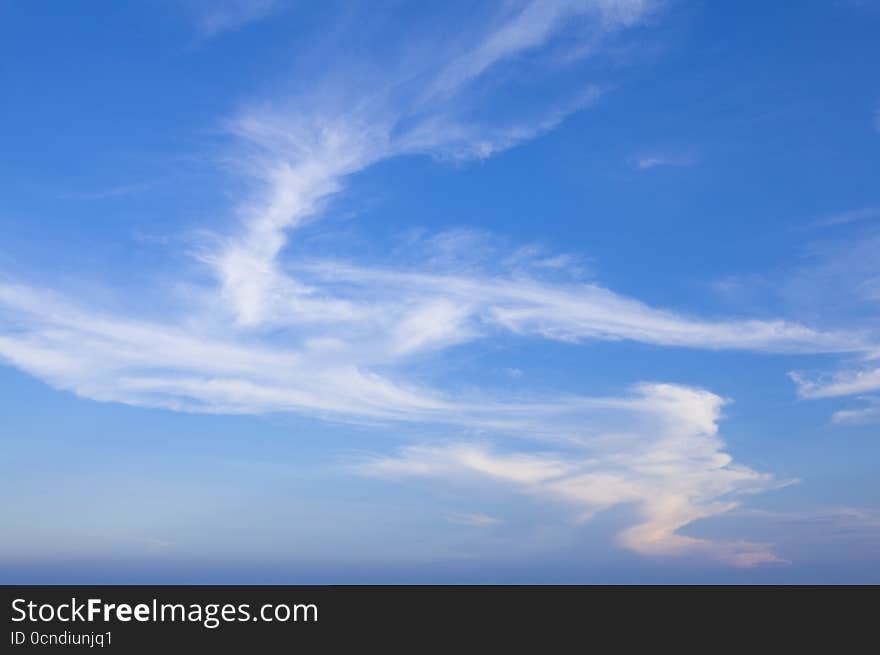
846, 217
655, 158
657, 450
869, 414
433, 324
845, 383
836, 520
300, 149
163, 365
351, 322
841, 384
577, 311
528, 26
274, 332
218, 16
110, 192
475, 519
804, 533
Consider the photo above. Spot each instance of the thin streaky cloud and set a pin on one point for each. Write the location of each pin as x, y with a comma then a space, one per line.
868, 414
118, 191
845, 218
653, 159
475, 519
844, 383
330, 365
221, 16
301, 158
528, 26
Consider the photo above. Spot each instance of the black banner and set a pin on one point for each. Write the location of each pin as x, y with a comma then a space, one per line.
271, 618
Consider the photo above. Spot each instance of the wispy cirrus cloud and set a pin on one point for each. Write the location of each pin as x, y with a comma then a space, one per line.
844, 383
475, 519
335, 343
653, 158
843, 276
271, 330
117, 191
300, 159
217, 16
526, 26
845, 218
867, 414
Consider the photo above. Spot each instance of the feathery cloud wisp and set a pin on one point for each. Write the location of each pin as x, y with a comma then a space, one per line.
868, 414
653, 159
845, 383
225, 15
845, 218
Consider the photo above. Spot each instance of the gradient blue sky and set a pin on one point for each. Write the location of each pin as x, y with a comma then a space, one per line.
474, 292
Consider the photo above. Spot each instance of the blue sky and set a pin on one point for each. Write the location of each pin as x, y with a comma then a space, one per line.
483, 292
